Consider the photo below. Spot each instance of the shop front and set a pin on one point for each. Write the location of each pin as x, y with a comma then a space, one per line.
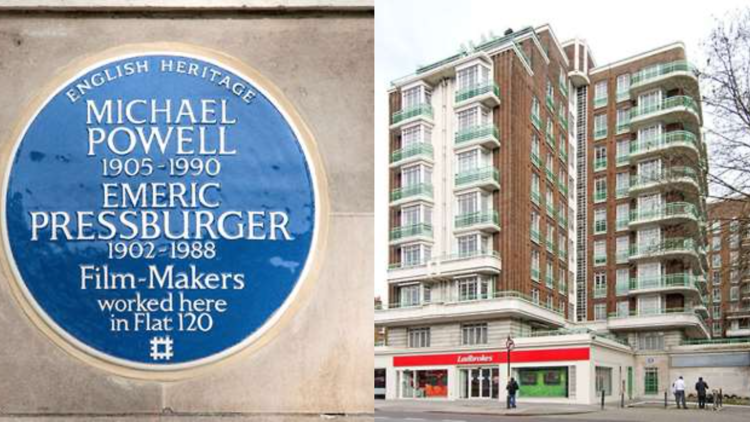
543, 382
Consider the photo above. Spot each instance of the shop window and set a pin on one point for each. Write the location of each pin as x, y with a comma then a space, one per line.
603, 381
424, 384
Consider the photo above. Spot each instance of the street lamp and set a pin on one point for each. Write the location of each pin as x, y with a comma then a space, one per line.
509, 345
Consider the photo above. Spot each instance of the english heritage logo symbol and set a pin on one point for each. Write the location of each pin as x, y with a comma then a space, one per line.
159, 198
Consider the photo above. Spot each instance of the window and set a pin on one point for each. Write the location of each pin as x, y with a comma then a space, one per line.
600, 158
535, 157
409, 295
716, 277
413, 255
600, 126
600, 94
550, 132
416, 134
600, 285
623, 152
550, 237
600, 189
418, 337
468, 161
623, 249
550, 275
623, 308
536, 120
562, 284
716, 295
649, 305
600, 252
473, 334
650, 102
651, 381
535, 265
734, 241
622, 285
471, 77
734, 293
716, 329
622, 184
716, 311
716, 243
414, 97
623, 120
623, 87
535, 219
415, 175
651, 341
623, 216
473, 118
468, 245
600, 311
473, 289
550, 304
716, 260
550, 95
600, 220
535, 295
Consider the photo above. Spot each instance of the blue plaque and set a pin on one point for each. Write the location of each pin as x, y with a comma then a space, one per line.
161, 209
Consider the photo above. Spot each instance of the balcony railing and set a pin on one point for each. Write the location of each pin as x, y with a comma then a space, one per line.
535, 160
536, 121
600, 196
536, 197
672, 209
420, 229
419, 149
600, 134
646, 75
600, 102
424, 110
477, 90
535, 274
476, 132
535, 235
677, 244
550, 103
666, 140
474, 218
504, 294
654, 312
600, 292
419, 189
666, 104
484, 174
446, 258
684, 279
665, 176
600, 164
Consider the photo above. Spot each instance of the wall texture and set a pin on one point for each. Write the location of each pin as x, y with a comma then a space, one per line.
322, 361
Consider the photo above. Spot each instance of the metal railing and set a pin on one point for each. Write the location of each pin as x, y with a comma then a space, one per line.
644, 76
480, 217
665, 140
665, 104
420, 229
477, 132
423, 109
484, 174
411, 190
421, 148
672, 209
476, 90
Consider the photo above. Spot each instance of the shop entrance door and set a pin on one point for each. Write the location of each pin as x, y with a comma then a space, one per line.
479, 383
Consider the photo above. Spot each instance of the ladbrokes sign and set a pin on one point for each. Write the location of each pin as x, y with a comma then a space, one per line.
163, 206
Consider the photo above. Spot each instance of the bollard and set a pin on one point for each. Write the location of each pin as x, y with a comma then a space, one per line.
665, 399
602, 399
622, 399
721, 397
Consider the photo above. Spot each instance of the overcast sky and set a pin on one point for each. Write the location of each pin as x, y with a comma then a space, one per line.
410, 33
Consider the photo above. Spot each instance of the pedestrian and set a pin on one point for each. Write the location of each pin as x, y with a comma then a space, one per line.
701, 387
678, 388
512, 388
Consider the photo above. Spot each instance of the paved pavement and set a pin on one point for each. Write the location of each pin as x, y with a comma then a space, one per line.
416, 411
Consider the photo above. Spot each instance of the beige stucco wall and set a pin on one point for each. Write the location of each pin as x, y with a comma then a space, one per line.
322, 361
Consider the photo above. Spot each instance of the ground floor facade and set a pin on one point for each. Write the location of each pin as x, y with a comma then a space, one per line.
570, 369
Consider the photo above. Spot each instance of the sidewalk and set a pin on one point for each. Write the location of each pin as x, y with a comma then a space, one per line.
482, 407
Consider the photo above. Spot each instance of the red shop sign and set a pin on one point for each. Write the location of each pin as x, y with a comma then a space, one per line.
483, 358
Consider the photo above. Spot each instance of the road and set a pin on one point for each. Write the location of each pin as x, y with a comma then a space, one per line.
394, 416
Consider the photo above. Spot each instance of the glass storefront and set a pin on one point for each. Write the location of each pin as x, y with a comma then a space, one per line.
424, 384
542, 382
479, 383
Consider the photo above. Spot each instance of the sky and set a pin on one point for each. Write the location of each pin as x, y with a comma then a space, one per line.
411, 33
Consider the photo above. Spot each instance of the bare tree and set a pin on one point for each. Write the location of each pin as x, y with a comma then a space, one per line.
726, 90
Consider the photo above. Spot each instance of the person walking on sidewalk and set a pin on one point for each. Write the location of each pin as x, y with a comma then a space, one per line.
701, 387
512, 388
678, 388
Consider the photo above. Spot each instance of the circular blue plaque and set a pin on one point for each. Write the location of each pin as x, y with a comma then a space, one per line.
161, 209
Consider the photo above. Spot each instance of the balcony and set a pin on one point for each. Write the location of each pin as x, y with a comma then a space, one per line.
412, 114
679, 141
674, 248
675, 318
486, 177
409, 193
421, 151
410, 233
536, 121
487, 136
503, 304
677, 74
550, 173
487, 93
457, 264
536, 197
671, 213
678, 109
681, 178
535, 160
685, 283
535, 235
482, 220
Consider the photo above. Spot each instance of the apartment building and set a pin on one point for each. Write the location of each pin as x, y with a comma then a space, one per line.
729, 280
545, 202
